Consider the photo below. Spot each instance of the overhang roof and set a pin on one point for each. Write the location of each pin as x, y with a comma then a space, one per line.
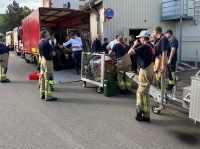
56, 15
87, 7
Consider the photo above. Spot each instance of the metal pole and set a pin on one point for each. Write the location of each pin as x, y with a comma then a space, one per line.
162, 89
196, 61
181, 26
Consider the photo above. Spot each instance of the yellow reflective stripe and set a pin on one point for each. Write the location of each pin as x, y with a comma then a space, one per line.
121, 83
145, 107
51, 82
128, 84
171, 82
138, 100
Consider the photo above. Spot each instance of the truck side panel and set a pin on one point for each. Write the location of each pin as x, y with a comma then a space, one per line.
31, 32
26, 35
34, 31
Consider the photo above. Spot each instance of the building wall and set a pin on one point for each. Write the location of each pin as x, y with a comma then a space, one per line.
133, 14
75, 4
190, 34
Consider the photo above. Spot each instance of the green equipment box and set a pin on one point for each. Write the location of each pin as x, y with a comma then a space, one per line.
110, 88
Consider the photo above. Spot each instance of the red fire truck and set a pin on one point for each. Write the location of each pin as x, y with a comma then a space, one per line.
57, 21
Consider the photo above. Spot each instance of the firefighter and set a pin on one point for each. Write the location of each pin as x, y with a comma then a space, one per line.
146, 53
162, 46
172, 58
123, 65
4, 56
46, 70
55, 45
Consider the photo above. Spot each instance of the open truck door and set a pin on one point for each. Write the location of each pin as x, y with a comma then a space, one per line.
57, 21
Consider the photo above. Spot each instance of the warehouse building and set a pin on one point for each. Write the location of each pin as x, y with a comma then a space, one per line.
132, 16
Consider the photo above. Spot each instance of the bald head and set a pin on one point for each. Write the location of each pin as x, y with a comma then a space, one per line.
99, 37
120, 39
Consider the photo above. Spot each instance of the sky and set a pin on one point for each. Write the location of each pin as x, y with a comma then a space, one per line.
33, 4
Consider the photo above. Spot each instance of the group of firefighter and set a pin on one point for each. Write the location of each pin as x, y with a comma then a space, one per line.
155, 56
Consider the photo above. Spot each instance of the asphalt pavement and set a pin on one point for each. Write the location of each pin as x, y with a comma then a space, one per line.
83, 119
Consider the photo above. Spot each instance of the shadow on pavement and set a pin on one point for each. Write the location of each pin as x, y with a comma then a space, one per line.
187, 138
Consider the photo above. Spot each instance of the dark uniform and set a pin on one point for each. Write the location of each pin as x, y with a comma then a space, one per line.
123, 65
4, 56
162, 45
96, 46
46, 71
146, 54
172, 67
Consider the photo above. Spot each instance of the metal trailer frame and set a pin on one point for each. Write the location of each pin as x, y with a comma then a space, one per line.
99, 84
159, 96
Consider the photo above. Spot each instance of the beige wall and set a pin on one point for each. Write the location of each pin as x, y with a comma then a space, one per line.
93, 24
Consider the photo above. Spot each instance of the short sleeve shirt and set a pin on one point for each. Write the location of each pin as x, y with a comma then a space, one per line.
145, 55
162, 44
47, 50
119, 50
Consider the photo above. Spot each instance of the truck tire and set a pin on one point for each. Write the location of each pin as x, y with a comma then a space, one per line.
27, 61
37, 64
22, 54
18, 53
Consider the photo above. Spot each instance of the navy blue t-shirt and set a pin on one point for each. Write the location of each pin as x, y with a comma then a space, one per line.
174, 44
162, 44
47, 50
4, 49
145, 55
119, 50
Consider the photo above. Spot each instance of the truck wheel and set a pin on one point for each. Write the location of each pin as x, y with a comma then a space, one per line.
27, 61
37, 64
22, 55
18, 53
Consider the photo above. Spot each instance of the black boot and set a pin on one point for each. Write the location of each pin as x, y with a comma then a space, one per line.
146, 119
42, 97
5, 81
169, 87
53, 99
138, 113
123, 91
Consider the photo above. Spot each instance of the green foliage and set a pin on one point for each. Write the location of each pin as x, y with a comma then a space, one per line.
13, 16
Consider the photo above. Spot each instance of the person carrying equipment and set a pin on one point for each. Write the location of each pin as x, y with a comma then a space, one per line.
4, 56
123, 65
147, 54
46, 70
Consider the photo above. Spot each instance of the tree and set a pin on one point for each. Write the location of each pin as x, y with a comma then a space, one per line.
14, 15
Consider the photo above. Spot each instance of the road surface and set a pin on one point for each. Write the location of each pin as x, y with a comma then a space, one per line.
83, 119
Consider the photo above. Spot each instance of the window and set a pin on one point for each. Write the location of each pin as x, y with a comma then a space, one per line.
64, 5
81, 0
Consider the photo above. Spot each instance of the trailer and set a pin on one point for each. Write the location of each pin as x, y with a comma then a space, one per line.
18, 46
54, 20
190, 101
9, 38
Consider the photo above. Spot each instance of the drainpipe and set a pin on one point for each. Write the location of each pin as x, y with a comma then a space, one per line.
91, 4
181, 28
